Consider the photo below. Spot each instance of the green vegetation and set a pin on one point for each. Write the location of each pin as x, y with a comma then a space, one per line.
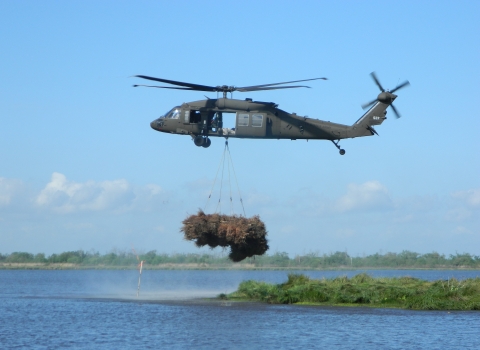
364, 290
152, 259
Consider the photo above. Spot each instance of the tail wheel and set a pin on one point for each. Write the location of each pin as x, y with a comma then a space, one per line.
342, 151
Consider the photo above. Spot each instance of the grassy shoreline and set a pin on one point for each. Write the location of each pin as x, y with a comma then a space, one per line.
203, 266
366, 291
81, 259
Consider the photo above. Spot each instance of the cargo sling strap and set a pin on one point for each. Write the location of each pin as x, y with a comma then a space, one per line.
226, 158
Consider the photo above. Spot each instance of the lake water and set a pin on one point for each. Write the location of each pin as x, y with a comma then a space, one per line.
86, 309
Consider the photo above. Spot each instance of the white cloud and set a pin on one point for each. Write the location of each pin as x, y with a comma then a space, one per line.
470, 197
160, 229
150, 197
465, 204
461, 230
369, 195
288, 229
404, 218
8, 189
345, 233
64, 196
458, 214
256, 198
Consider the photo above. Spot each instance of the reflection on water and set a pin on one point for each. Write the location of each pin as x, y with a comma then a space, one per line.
91, 309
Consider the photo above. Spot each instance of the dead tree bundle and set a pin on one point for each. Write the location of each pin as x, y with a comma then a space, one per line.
246, 237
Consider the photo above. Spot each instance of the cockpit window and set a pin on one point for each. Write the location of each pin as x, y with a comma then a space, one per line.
174, 113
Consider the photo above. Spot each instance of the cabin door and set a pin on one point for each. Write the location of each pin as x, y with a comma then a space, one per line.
251, 125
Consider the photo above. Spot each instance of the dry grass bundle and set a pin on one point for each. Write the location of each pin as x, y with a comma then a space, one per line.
245, 237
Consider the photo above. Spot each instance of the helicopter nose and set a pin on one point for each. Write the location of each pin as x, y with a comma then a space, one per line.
153, 125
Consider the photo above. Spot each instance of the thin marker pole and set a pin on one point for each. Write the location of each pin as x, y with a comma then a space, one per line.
139, 278
140, 266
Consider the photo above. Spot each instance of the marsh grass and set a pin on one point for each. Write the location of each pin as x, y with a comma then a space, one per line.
364, 290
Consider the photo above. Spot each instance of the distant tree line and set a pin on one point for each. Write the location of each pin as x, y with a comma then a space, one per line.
405, 259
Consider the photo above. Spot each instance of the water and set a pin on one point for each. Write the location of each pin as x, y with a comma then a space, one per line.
99, 309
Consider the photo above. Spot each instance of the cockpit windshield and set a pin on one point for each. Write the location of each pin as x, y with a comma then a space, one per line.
174, 113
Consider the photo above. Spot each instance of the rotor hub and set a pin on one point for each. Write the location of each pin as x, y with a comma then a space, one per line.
225, 88
386, 97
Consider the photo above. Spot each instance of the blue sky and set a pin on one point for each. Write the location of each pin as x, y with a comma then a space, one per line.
80, 167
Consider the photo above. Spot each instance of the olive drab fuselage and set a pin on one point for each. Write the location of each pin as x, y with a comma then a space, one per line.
264, 120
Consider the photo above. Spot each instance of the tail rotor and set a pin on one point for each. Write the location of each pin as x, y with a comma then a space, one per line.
385, 96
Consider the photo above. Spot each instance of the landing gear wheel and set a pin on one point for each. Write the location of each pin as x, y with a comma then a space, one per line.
199, 140
207, 143
342, 151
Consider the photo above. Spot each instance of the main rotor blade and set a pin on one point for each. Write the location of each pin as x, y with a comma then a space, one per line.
367, 105
402, 85
375, 79
285, 82
252, 88
179, 83
397, 115
166, 87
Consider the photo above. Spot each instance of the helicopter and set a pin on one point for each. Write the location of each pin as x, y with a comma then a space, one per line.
263, 120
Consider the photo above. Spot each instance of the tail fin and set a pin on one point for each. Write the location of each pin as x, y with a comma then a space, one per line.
374, 116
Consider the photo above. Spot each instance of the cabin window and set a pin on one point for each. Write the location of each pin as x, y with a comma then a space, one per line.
257, 120
195, 116
242, 119
186, 117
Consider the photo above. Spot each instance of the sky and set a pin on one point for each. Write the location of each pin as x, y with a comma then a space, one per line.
80, 167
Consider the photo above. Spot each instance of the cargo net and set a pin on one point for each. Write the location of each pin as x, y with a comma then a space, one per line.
246, 237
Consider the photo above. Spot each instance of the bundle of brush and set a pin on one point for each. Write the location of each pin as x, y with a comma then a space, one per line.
245, 237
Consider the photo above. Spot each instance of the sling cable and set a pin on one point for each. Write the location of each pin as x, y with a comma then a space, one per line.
226, 161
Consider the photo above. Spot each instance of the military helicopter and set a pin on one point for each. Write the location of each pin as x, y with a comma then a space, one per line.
263, 120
